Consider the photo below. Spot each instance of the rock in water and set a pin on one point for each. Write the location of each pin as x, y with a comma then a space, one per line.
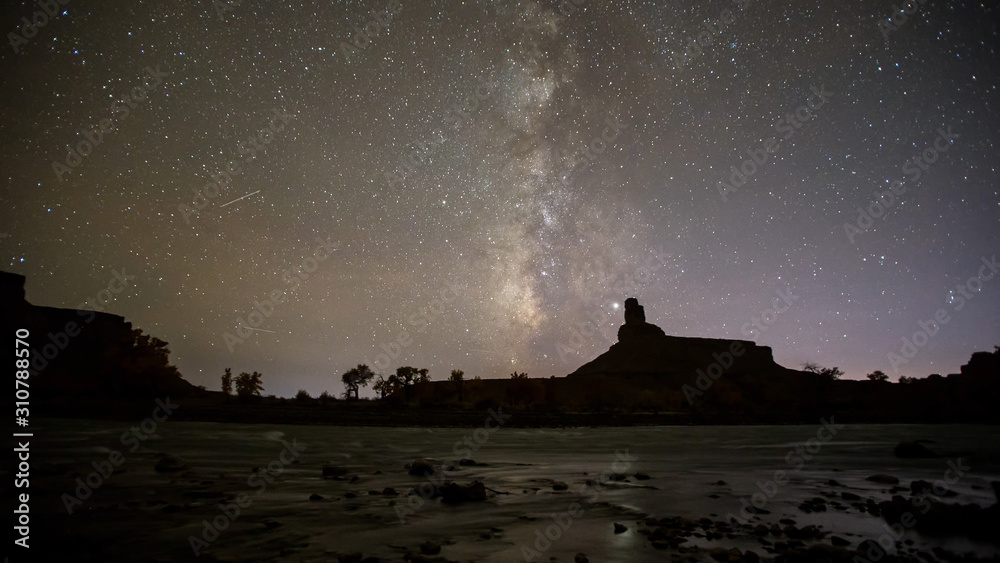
421, 467
453, 493
882, 479
170, 464
332, 471
912, 450
430, 548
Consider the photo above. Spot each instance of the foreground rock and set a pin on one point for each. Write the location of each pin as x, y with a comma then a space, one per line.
943, 520
453, 493
420, 468
913, 450
170, 464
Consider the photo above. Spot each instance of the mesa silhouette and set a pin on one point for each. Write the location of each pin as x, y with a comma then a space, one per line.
647, 377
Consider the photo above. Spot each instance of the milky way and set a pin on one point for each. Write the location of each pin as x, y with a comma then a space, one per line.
480, 185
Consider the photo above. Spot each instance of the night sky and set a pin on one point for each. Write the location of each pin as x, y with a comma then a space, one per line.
443, 182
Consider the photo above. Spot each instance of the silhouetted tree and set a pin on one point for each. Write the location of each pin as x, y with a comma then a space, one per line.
145, 355
406, 377
831, 374
227, 382
355, 379
457, 378
302, 395
878, 376
249, 384
519, 388
384, 386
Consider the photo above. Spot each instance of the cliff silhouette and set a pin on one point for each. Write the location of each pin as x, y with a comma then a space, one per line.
81, 353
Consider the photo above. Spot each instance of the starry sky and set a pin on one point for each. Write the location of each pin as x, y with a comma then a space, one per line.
479, 185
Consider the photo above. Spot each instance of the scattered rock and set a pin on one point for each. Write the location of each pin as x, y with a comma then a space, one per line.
620, 528
849, 496
389, 492
839, 541
815, 504
452, 493
350, 495
941, 519
818, 552
420, 467
913, 450
559, 486
330, 471
642, 476
170, 464
430, 548
314, 496
465, 462
920, 486
882, 479
581, 558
